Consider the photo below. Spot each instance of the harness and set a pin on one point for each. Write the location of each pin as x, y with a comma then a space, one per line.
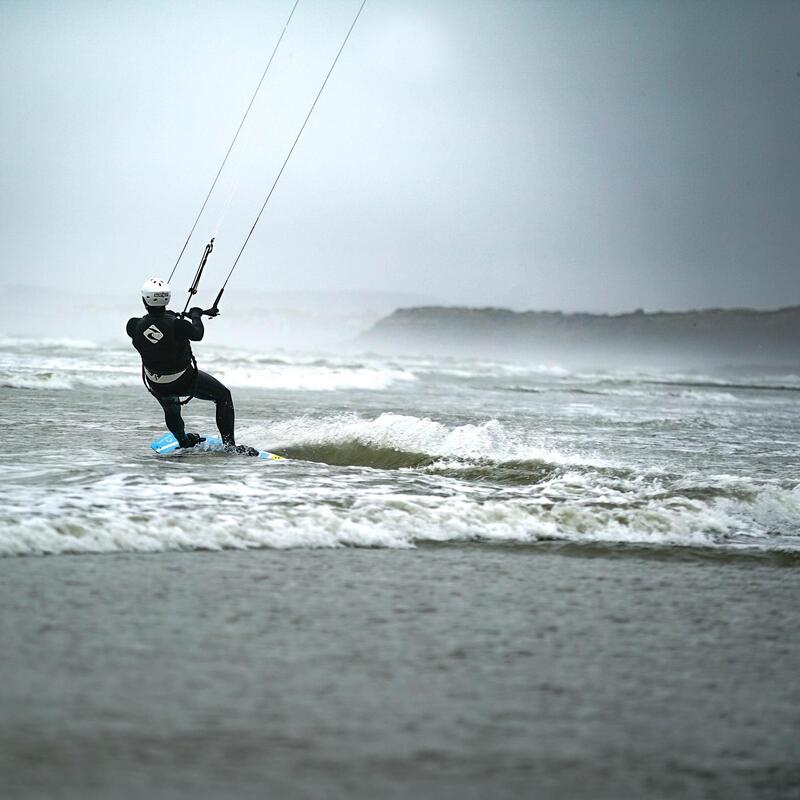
194, 383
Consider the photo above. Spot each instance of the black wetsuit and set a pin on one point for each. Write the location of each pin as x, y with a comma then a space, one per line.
163, 341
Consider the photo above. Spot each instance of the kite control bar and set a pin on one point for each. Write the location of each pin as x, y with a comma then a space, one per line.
196, 281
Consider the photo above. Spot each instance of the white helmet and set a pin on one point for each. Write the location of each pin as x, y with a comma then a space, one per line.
155, 292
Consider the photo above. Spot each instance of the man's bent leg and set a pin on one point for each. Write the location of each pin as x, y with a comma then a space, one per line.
172, 416
209, 388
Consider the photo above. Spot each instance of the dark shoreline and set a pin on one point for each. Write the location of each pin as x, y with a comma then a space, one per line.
664, 553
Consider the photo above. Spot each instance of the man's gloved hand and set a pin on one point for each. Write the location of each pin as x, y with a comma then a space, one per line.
195, 311
211, 312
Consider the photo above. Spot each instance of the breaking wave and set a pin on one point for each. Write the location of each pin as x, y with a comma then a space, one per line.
449, 484
767, 521
316, 378
66, 381
21, 342
279, 377
421, 435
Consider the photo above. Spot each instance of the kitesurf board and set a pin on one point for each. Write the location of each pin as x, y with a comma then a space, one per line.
169, 444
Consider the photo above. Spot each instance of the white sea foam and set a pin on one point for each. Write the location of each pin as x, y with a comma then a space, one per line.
67, 380
73, 524
708, 396
313, 378
49, 367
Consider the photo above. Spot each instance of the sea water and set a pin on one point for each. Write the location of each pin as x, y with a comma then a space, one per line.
392, 452
469, 579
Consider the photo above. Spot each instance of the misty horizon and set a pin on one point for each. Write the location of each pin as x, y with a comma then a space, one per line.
572, 157
383, 301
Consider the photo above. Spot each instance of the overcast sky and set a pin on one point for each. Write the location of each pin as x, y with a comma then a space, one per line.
576, 155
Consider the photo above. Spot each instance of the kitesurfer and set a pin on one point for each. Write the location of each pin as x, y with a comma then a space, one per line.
163, 338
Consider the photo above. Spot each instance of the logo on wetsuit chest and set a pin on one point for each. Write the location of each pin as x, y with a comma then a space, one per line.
153, 335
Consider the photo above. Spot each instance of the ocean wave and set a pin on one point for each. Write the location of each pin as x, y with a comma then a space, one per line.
787, 383
450, 484
522, 389
301, 377
766, 522
62, 381
282, 378
423, 436
708, 396
14, 342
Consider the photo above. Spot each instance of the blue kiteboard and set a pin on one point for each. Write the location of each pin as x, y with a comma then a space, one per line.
169, 444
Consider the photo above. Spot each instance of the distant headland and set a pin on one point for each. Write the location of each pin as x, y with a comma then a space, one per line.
718, 336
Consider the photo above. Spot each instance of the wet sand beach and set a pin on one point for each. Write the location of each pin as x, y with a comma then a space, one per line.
450, 671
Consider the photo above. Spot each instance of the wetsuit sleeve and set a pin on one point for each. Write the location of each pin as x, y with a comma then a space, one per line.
191, 329
130, 328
